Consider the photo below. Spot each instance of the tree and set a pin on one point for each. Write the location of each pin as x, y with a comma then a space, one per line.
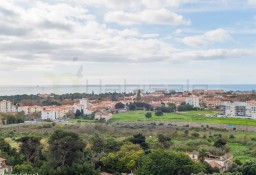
139, 139
5, 147
78, 113
111, 145
119, 105
148, 115
165, 109
185, 107
98, 143
209, 169
202, 154
220, 143
25, 168
31, 148
138, 96
158, 113
65, 148
166, 162
233, 167
132, 107
164, 140
186, 133
249, 168
124, 160
172, 106
67, 156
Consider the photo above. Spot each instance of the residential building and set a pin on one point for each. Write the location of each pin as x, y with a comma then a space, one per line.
30, 109
48, 114
58, 112
237, 110
212, 104
103, 115
3, 167
193, 155
55, 112
7, 106
220, 162
194, 101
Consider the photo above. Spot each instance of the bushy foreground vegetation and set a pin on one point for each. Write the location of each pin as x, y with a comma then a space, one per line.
91, 148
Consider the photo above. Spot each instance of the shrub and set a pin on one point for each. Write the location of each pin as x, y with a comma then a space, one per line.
195, 134
158, 113
148, 115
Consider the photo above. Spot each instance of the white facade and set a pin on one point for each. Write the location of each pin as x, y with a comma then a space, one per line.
238, 110
54, 112
84, 102
7, 106
48, 114
30, 109
83, 105
194, 101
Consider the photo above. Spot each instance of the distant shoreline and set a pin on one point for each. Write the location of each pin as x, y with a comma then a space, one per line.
104, 88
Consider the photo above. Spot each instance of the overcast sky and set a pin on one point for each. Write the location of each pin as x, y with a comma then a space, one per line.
55, 42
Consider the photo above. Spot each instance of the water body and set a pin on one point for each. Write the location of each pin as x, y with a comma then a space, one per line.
63, 89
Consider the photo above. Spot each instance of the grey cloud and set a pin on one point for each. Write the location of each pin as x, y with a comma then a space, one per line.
7, 12
12, 31
51, 25
29, 46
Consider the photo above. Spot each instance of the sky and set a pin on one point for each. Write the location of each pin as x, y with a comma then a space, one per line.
74, 42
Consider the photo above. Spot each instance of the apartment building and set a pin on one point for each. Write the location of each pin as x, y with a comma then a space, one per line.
54, 113
194, 101
30, 109
7, 106
237, 110
58, 112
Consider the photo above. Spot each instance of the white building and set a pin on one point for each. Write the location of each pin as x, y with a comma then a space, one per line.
83, 105
30, 109
58, 112
103, 115
55, 112
194, 101
7, 106
48, 114
84, 102
237, 110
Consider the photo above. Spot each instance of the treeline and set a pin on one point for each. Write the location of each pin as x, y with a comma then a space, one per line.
164, 108
35, 99
12, 118
66, 153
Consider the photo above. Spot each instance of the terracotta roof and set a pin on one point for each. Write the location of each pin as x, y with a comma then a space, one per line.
104, 173
214, 164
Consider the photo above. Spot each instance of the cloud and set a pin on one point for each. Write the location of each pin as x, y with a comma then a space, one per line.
162, 17
50, 34
217, 35
135, 5
214, 54
252, 2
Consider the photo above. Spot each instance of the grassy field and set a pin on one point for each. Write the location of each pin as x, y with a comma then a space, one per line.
190, 116
241, 152
81, 120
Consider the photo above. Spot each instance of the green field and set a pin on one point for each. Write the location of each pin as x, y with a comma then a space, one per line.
81, 120
190, 116
241, 152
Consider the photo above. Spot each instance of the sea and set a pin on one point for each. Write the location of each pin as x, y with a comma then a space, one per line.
97, 89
